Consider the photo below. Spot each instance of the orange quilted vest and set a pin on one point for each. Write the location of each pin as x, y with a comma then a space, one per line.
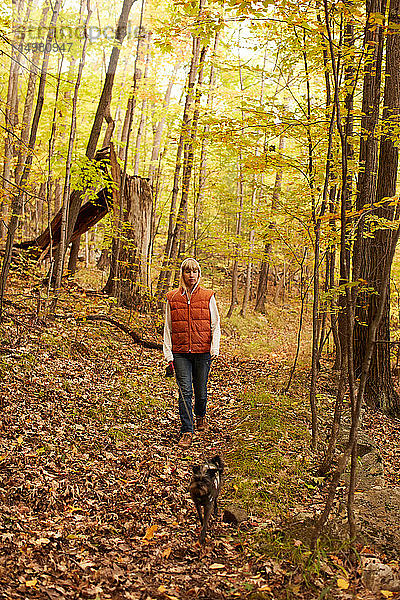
191, 320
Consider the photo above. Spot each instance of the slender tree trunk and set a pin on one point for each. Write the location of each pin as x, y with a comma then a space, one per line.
143, 112
179, 235
249, 269
49, 183
29, 102
18, 198
160, 126
11, 105
165, 272
67, 180
264, 269
199, 196
235, 268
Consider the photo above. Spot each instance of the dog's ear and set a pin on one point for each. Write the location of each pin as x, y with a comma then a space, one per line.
196, 469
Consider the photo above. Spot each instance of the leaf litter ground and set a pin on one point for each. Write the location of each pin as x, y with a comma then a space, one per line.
93, 489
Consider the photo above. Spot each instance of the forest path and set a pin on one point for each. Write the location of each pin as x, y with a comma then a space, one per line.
93, 488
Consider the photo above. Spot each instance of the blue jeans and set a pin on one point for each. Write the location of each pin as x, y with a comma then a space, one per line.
191, 372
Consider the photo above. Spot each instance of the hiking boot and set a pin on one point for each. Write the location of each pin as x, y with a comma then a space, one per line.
186, 440
201, 424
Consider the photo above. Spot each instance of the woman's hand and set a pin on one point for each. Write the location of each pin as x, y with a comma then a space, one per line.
169, 371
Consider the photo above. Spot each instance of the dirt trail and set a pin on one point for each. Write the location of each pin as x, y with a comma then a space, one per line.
93, 488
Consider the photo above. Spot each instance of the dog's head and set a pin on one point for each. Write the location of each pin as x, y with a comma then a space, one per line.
207, 476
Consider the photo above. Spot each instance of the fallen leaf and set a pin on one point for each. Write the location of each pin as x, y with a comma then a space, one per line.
264, 588
343, 584
31, 582
150, 532
166, 552
386, 593
217, 566
161, 589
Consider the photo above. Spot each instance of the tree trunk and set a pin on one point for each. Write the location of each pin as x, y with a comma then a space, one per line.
130, 284
235, 268
29, 102
165, 272
198, 202
368, 163
67, 182
18, 199
104, 102
179, 235
143, 112
264, 269
11, 106
379, 389
73, 256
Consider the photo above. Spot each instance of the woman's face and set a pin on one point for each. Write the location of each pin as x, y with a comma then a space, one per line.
190, 276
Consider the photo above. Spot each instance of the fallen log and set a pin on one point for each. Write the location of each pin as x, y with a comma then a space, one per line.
90, 213
133, 334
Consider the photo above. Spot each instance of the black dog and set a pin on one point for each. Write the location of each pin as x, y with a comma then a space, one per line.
204, 490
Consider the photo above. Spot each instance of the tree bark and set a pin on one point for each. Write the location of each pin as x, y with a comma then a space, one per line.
104, 102
11, 106
130, 283
368, 163
166, 269
67, 182
380, 392
18, 198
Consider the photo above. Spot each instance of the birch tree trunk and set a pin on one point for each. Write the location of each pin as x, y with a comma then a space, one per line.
160, 126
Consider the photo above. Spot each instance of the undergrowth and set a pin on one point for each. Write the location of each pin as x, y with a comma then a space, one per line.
271, 470
270, 461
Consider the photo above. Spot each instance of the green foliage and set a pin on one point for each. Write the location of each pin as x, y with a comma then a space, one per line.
270, 462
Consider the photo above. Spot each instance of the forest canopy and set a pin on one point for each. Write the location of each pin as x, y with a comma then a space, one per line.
261, 138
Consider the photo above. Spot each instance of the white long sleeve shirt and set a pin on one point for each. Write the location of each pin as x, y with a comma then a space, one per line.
215, 331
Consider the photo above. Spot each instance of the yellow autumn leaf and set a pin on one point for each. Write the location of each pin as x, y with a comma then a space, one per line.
150, 532
161, 589
166, 552
264, 588
343, 584
20, 439
217, 566
31, 582
172, 597
386, 593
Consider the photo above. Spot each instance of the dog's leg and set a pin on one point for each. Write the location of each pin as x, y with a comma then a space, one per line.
207, 514
216, 506
198, 508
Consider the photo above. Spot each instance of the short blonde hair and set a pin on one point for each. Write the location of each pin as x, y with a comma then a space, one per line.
188, 263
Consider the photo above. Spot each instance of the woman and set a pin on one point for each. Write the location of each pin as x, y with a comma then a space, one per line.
191, 340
